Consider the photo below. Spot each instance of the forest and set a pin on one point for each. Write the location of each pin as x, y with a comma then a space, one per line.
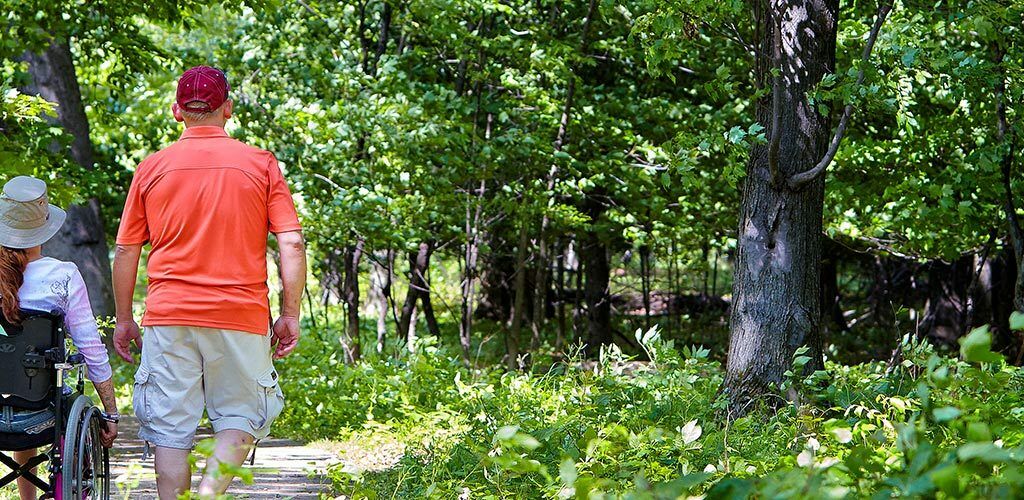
595, 248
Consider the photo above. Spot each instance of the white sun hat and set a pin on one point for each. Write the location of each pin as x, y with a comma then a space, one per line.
27, 219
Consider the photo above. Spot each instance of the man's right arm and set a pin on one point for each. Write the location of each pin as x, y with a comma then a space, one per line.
126, 272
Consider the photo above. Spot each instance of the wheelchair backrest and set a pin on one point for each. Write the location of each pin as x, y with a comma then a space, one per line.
27, 378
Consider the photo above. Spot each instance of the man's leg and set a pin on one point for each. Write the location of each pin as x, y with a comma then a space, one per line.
232, 447
168, 401
242, 398
174, 476
26, 490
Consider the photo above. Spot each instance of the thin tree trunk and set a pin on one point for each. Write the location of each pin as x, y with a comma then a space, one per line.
1005, 135
82, 239
419, 289
594, 257
518, 312
472, 250
714, 273
351, 338
380, 286
577, 310
645, 282
560, 310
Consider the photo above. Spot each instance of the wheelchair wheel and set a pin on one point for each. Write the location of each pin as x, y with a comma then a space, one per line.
85, 471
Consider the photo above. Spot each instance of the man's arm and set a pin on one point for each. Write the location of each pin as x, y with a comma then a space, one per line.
293, 277
126, 272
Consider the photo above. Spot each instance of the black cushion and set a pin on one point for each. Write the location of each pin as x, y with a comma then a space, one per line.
22, 442
27, 380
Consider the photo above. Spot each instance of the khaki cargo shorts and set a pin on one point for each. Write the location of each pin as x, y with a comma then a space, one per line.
185, 369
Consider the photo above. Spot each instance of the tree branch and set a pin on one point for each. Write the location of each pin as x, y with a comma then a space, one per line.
799, 180
775, 137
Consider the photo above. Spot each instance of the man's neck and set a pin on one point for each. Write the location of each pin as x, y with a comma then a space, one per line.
210, 123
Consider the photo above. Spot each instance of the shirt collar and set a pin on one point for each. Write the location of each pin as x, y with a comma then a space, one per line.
203, 132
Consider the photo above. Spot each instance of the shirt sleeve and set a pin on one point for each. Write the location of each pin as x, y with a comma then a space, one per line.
134, 230
281, 214
84, 333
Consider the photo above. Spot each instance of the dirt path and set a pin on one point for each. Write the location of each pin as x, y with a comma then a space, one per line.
283, 468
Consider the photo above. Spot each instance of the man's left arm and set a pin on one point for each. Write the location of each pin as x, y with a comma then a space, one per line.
292, 249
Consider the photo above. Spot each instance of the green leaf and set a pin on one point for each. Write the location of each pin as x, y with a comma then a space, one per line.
986, 452
945, 414
1017, 320
978, 432
976, 347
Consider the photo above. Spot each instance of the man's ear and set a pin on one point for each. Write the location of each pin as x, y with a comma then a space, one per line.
229, 108
176, 111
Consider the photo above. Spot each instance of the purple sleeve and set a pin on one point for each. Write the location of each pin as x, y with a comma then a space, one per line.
84, 333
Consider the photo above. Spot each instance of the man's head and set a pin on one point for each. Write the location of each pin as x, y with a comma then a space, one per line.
202, 97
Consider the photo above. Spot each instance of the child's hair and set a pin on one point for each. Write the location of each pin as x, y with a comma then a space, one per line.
13, 263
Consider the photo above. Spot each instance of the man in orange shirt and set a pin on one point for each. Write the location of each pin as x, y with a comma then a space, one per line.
206, 205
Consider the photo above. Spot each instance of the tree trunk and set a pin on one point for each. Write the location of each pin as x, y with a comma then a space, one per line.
419, 262
830, 294
380, 291
519, 306
645, 282
472, 253
560, 309
1006, 136
350, 340
83, 239
594, 258
776, 297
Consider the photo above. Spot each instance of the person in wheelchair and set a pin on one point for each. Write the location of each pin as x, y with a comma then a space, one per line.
31, 282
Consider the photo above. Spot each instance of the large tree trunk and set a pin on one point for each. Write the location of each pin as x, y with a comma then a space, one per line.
776, 297
83, 239
350, 340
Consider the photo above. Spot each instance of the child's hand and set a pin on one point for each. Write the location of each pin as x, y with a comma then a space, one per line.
126, 332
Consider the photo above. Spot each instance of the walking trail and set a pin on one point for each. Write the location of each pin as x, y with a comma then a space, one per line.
283, 468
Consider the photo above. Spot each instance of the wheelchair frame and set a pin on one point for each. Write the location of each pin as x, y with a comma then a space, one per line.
76, 425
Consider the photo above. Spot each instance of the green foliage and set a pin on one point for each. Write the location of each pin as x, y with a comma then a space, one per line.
621, 428
31, 145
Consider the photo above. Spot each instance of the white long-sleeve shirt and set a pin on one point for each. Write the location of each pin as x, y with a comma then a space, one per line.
53, 284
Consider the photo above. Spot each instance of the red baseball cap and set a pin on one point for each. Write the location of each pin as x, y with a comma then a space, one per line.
202, 89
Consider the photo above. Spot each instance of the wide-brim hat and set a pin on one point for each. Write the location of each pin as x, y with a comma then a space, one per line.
27, 219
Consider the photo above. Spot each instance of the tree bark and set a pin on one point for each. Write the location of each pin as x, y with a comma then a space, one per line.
519, 305
1006, 136
380, 292
350, 340
83, 239
472, 252
594, 256
419, 290
645, 282
776, 303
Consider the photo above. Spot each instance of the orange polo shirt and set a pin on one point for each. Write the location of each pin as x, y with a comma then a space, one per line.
206, 205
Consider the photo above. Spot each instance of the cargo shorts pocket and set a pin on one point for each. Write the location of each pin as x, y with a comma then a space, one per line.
271, 399
140, 397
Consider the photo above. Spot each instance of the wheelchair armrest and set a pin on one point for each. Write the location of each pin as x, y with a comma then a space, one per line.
76, 359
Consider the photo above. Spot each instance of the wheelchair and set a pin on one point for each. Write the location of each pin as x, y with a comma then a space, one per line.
34, 359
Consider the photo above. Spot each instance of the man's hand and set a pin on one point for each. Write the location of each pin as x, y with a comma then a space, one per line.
286, 336
126, 332
108, 433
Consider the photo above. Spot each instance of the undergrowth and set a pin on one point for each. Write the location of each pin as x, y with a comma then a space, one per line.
925, 426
